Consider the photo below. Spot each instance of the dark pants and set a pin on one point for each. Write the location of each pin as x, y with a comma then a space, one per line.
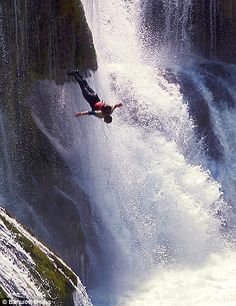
90, 96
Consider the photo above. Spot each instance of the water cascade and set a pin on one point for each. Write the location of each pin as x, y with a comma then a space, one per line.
157, 186
152, 176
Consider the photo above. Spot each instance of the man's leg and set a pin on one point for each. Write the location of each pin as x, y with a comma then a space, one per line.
90, 96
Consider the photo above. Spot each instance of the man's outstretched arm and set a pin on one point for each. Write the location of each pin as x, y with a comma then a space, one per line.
85, 113
116, 105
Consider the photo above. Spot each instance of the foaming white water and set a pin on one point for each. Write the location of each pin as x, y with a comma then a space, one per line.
154, 101
152, 207
158, 207
158, 201
16, 268
19, 276
223, 121
208, 285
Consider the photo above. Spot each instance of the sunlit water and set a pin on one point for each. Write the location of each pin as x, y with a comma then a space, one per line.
153, 202
159, 208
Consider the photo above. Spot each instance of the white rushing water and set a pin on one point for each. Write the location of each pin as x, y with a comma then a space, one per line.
157, 206
16, 268
18, 274
153, 203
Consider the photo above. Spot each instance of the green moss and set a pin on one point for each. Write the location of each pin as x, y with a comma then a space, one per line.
56, 284
3, 295
65, 270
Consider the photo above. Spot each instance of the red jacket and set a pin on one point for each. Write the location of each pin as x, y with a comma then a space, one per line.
99, 105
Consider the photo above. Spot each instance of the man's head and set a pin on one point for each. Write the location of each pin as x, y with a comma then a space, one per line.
108, 119
106, 110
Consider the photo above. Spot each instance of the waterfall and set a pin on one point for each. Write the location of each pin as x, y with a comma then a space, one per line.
160, 179
178, 27
156, 204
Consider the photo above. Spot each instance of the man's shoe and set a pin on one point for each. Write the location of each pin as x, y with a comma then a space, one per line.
77, 73
71, 73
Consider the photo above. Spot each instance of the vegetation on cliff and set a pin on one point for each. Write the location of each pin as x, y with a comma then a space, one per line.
54, 279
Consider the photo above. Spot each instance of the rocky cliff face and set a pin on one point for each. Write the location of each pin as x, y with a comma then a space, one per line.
31, 274
41, 40
198, 26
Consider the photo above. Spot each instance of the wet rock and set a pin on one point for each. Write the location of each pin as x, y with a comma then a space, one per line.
169, 75
216, 69
202, 27
221, 97
31, 272
218, 79
199, 111
41, 40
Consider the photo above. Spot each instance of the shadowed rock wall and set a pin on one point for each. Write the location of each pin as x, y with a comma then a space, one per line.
41, 40
204, 27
